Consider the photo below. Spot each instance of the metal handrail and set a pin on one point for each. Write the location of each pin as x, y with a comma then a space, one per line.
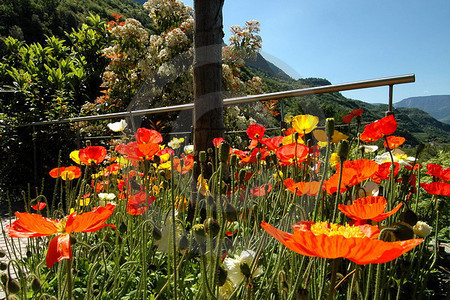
245, 99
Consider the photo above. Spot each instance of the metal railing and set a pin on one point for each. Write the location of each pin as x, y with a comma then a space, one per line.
387, 81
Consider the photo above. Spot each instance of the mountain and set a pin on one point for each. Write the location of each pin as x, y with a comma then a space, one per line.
437, 106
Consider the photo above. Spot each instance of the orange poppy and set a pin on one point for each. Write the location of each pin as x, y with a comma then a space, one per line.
354, 172
92, 155
438, 172
66, 173
437, 188
376, 130
33, 225
251, 158
288, 153
356, 243
394, 142
148, 136
139, 203
368, 208
302, 188
354, 113
186, 166
256, 131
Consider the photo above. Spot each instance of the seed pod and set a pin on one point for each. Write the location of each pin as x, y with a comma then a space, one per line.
342, 150
224, 151
221, 276
13, 286
202, 157
230, 213
329, 128
212, 227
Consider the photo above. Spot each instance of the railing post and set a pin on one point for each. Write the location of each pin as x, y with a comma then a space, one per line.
390, 111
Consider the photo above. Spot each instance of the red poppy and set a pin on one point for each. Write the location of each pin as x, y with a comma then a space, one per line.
39, 206
356, 243
437, 188
287, 154
438, 172
218, 141
368, 208
256, 131
92, 155
302, 188
261, 190
354, 113
384, 171
139, 203
66, 173
112, 169
137, 151
33, 225
184, 164
272, 143
394, 142
376, 130
252, 157
148, 136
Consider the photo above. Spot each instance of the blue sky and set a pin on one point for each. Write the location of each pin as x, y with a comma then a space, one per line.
352, 40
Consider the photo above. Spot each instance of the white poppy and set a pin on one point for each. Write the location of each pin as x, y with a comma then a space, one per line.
239, 264
118, 126
422, 229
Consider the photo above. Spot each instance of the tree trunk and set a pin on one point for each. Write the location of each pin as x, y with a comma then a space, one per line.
208, 102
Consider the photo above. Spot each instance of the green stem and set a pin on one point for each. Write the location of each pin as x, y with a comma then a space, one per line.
69, 279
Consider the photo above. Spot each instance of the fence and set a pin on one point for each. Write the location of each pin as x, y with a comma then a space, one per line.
386, 81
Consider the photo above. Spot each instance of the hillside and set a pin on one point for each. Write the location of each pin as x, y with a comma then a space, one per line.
437, 106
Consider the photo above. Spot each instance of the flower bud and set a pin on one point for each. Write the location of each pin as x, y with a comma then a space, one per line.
245, 269
242, 174
343, 149
122, 228
199, 233
3, 278
3, 265
183, 243
73, 240
202, 157
422, 229
221, 276
224, 151
212, 227
156, 233
258, 155
233, 159
420, 148
13, 286
403, 231
295, 136
210, 151
408, 216
329, 128
2, 253
36, 284
230, 213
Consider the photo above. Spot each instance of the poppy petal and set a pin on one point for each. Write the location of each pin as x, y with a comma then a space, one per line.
58, 249
32, 225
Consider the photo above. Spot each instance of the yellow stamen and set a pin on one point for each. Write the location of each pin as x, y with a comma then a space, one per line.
334, 229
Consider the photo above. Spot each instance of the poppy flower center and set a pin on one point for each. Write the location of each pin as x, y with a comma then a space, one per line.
334, 229
62, 225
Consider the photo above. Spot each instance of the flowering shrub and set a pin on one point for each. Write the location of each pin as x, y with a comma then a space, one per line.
357, 227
